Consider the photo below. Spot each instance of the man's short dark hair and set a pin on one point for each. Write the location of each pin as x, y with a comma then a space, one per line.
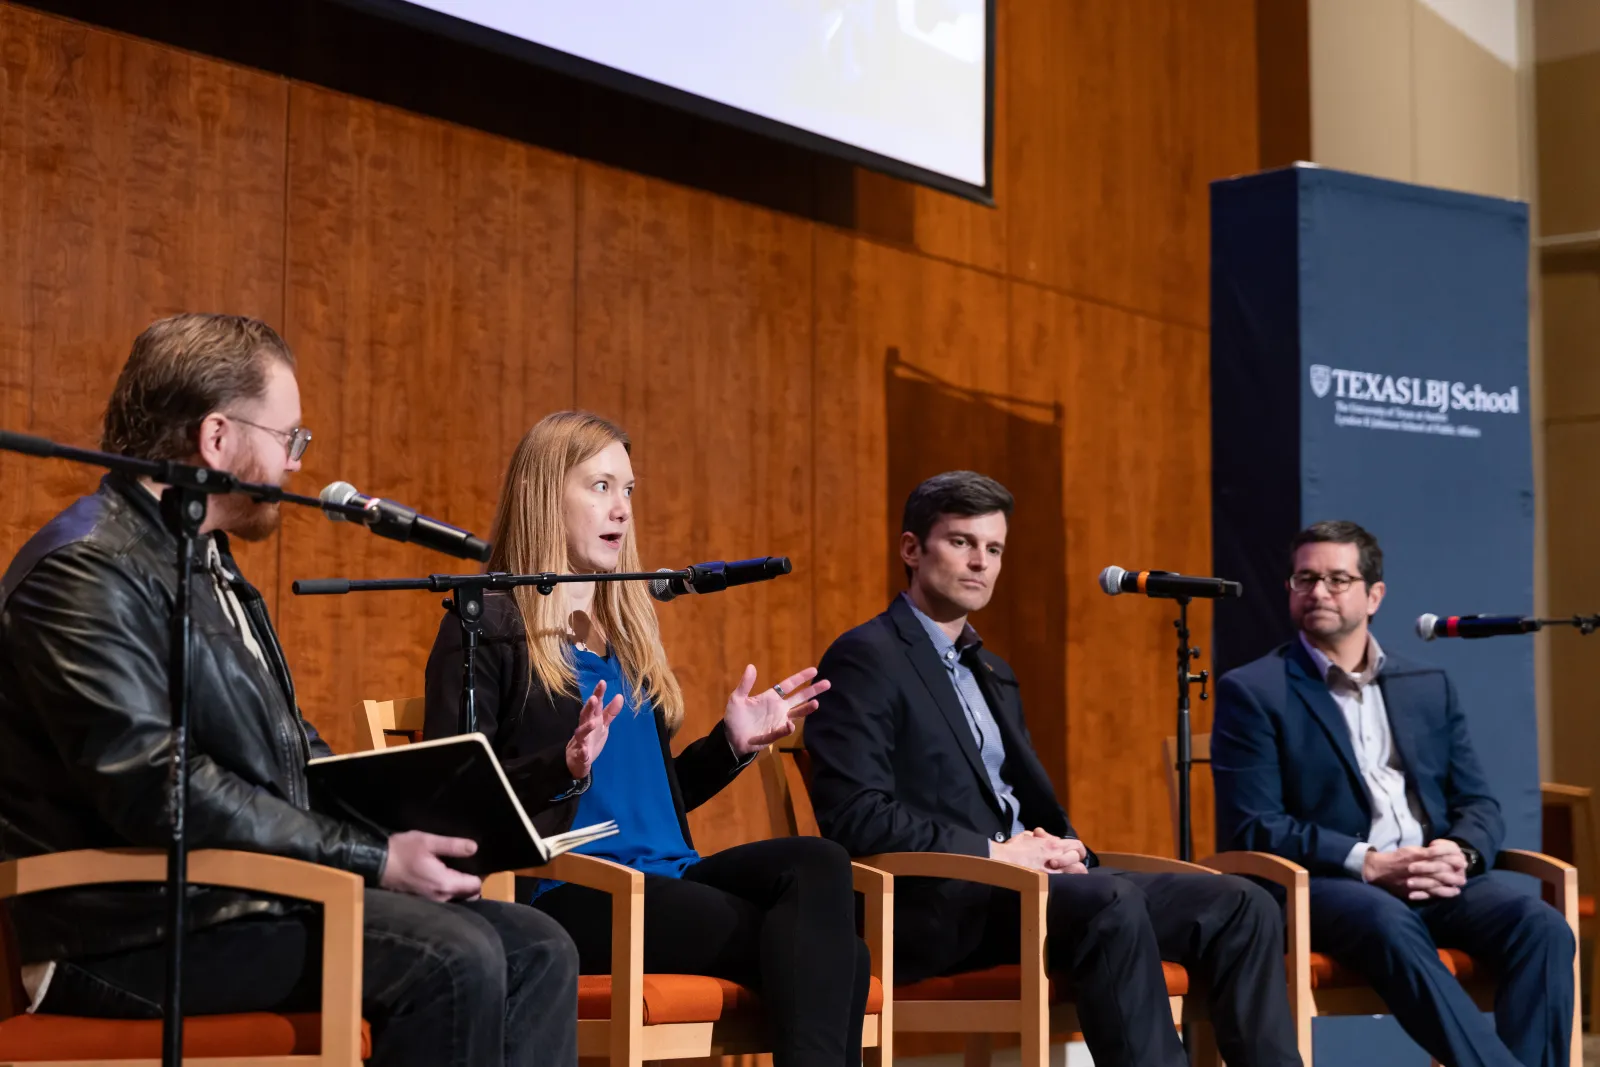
182, 369
964, 493
1340, 532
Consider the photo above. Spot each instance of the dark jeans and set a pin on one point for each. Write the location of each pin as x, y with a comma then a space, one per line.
443, 985
1394, 945
776, 916
1109, 931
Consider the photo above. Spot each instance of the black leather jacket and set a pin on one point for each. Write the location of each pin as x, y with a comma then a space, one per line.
84, 744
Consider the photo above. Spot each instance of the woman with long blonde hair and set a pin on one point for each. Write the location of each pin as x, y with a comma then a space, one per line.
777, 916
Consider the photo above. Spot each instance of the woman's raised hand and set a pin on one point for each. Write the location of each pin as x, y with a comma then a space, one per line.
756, 720
594, 726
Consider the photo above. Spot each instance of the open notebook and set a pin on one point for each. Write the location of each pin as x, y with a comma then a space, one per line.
452, 786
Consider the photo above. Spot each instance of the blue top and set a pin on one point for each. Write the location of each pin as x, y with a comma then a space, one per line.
629, 784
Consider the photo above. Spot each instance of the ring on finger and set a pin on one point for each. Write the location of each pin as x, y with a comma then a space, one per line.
779, 690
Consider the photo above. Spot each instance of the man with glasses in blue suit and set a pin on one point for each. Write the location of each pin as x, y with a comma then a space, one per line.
1358, 765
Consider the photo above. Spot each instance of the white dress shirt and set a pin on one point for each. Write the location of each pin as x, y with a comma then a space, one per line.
1396, 815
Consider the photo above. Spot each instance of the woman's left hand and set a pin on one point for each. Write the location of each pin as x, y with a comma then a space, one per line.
754, 721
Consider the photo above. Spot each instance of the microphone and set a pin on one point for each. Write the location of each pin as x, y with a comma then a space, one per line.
715, 577
1115, 581
1431, 626
399, 523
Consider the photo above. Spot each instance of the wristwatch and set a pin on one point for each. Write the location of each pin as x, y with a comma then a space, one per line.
1474, 857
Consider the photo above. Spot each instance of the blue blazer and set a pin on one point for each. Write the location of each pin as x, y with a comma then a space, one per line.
1286, 775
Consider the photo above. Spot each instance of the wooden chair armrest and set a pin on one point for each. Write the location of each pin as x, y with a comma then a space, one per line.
1559, 875
978, 869
1275, 869
1138, 861
1561, 793
592, 872
877, 891
1296, 883
625, 886
341, 894
1033, 887
870, 881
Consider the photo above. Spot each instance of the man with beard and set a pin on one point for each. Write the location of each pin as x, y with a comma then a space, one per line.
1358, 765
84, 753
920, 746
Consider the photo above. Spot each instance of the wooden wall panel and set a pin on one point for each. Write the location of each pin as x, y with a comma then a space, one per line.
1137, 494
1119, 117
445, 288
915, 377
135, 182
947, 321
693, 332
430, 295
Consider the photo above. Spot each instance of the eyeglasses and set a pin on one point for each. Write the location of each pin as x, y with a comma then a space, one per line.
295, 441
1305, 581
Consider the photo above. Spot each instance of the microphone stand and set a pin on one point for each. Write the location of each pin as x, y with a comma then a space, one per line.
1185, 755
1584, 624
183, 510
465, 602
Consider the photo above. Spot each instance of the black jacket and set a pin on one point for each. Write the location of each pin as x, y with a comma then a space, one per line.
894, 768
84, 719
529, 727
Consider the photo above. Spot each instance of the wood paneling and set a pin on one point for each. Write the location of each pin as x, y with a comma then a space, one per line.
1119, 117
135, 182
784, 381
430, 296
693, 332
944, 320
1137, 495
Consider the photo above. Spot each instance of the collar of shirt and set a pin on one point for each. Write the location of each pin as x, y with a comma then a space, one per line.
1333, 674
968, 642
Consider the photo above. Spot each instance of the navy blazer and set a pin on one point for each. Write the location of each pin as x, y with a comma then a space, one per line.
894, 767
1286, 776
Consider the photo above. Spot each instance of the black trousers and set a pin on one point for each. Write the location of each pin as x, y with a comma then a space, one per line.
443, 985
777, 916
1108, 932
1394, 945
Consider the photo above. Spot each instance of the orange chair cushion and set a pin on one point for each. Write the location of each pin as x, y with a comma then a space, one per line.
1005, 983
1326, 973
686, 998
69, 1037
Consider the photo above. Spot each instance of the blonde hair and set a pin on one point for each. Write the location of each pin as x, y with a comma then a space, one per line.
530, 537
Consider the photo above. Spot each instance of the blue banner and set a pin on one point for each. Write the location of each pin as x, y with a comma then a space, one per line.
1369, 361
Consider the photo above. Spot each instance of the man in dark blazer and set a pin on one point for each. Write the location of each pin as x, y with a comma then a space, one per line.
920, 746
1357, 765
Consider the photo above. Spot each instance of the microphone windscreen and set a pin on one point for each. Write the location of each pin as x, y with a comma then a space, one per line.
1111, 580
1425, 626
661, 588
337, 493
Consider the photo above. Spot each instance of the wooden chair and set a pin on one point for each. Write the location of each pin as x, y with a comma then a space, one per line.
387, 723
334, 1038
1318, 985
1563, 804
1021, 999
629, 1016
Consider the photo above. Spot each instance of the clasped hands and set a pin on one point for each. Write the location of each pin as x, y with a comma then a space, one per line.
1416, 872
1042, 851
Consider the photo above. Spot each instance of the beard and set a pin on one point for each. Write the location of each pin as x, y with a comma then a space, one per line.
247, 519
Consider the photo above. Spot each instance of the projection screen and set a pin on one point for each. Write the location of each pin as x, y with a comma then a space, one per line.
903, 86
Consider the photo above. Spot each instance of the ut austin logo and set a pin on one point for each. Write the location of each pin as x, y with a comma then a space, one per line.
1321, 379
